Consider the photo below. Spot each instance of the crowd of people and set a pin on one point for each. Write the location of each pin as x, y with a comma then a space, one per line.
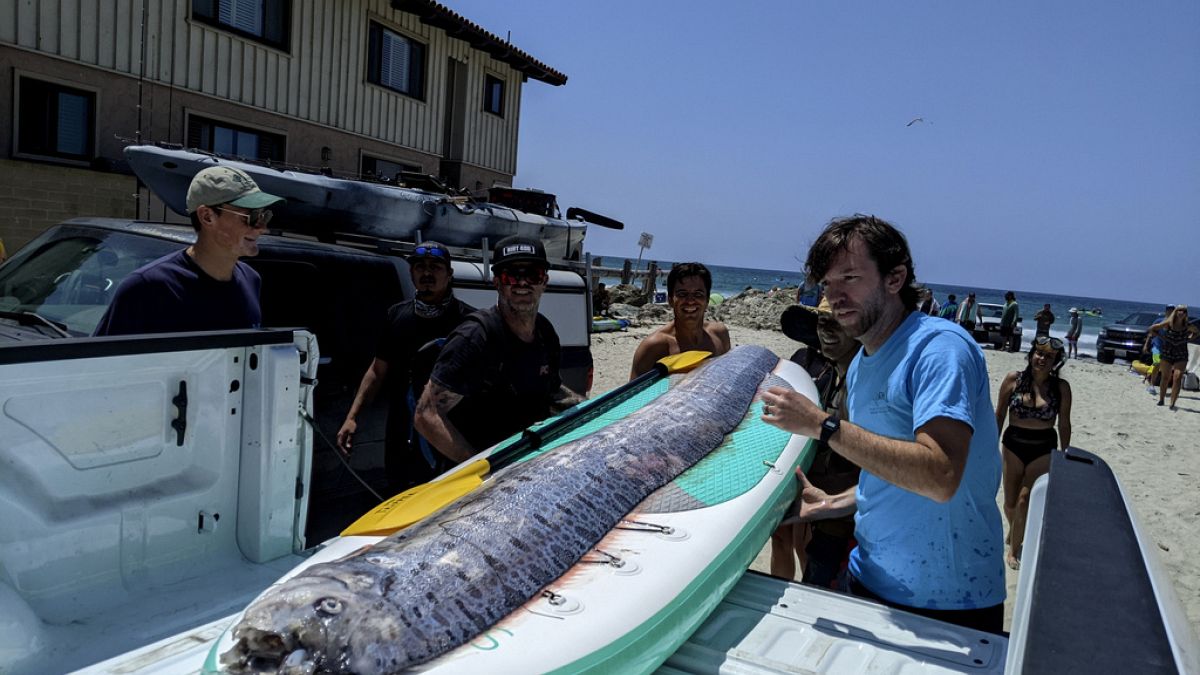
900, 502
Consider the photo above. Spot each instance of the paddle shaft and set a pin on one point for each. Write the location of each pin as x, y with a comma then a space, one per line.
532, 440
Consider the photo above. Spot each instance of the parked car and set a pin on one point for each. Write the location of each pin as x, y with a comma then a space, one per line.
987, 330
59, 285
1126, 338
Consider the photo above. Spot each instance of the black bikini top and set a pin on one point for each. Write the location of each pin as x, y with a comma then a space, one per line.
1016, 403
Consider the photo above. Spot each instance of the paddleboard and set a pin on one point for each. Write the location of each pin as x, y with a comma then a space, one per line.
601, 325
647, 585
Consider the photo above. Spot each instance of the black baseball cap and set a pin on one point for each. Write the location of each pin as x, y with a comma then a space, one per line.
517, 249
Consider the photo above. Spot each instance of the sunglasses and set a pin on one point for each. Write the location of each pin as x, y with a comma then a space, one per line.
532, 275
690, 295
1054, 342
255, 219
435, 251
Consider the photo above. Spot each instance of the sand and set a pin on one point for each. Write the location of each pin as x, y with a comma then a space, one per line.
1152, 450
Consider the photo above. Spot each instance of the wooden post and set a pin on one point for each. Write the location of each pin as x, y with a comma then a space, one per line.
651, 276
626, 272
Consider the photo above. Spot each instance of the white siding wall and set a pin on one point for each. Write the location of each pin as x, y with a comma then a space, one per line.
321, 80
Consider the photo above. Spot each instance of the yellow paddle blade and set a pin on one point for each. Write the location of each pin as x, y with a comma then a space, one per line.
684, 361
418, 502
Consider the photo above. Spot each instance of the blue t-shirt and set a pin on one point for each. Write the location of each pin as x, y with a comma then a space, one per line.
912, 550
174, 295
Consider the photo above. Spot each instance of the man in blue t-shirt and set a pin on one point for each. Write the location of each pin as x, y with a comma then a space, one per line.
205, 286
922, 428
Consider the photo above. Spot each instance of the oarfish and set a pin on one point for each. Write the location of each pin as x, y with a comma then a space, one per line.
433, 587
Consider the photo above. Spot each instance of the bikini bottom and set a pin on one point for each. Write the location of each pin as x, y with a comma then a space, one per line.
1029, 444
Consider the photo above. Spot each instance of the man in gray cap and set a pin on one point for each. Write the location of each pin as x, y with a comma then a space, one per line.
205, 286
404, 357
498, 372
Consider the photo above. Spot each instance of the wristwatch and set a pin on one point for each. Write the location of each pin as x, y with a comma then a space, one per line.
829, 427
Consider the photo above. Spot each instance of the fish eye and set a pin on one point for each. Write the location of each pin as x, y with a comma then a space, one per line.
330, 606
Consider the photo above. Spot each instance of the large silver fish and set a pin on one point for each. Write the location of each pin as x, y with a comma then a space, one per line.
428, 589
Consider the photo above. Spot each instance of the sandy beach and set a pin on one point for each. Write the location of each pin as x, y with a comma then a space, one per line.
1151, 449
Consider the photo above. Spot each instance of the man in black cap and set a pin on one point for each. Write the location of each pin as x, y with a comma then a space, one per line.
498, 372
403, 359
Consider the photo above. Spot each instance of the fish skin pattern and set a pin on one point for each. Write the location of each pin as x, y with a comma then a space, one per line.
438, 584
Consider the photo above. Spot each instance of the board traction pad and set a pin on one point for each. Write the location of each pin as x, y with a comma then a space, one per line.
731, 469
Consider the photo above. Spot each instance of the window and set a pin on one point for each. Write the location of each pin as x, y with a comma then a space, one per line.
493, 95
373, 167
231, 139
265, 21
396, 62
56, 121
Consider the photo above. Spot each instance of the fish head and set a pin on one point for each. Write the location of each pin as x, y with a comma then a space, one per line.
317, 623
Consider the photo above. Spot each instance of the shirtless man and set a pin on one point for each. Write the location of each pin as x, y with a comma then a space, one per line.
688, 288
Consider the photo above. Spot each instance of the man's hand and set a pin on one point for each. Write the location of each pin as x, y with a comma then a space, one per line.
792, 411
345, 436
813, 503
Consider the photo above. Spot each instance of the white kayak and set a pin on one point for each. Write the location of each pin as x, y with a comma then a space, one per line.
323, 206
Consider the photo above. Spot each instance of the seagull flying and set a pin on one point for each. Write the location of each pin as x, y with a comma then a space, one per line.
914, 121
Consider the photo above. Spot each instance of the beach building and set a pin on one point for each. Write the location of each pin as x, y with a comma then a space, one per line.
349, 87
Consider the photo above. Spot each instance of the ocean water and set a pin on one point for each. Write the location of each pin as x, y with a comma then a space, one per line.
729, 281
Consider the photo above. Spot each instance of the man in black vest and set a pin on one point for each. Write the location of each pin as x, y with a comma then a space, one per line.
404, 366
498, 372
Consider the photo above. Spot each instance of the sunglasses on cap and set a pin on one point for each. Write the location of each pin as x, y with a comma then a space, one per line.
435, 251
255, 219
1043, 340
532, 275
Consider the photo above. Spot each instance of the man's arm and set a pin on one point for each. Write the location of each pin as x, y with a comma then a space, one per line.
813, 503
720, 337
432, 421
932, 465
652, 348
372, 380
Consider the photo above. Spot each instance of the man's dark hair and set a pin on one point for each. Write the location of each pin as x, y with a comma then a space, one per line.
952, 297
1009, 295
690, 269
885, 244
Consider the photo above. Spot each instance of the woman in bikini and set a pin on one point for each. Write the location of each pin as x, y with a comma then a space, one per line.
1035, 397
1174, 332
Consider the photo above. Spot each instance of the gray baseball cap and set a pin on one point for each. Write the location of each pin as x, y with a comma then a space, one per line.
226, 185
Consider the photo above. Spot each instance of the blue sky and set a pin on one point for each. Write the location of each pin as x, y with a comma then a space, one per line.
1060, 148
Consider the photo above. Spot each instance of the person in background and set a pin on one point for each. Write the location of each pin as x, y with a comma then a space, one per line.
1036, 397
204, 286
499, 370
601, 300
928, 303
1073, 333
1044, 319
403, 366
1008, 323
823, 547
969, 313
949, 310
922, 429
688, 288
1175, 332
1153, 347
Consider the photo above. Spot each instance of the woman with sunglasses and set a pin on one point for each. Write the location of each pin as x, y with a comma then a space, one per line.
1174, 333
1036, 398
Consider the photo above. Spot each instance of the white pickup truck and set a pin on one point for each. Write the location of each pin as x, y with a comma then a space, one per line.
153, 485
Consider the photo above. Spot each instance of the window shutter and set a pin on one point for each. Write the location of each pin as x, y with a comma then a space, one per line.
394, 64
72, 124
243, 15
